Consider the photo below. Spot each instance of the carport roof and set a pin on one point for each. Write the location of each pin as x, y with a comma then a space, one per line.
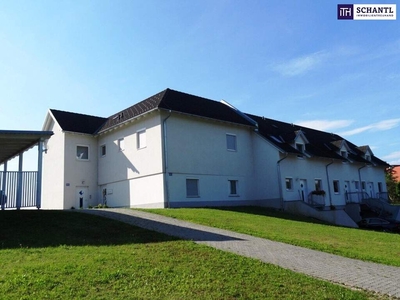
13, 142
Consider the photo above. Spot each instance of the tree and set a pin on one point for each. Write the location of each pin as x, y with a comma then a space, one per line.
393, 186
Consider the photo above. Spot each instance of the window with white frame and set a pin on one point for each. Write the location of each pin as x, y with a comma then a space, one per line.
121, 144
300, 147
192, 188
141, 139
233, 185
231, 142
336, 188
103, 150
82, 152
289, 183
356, 185
318, 184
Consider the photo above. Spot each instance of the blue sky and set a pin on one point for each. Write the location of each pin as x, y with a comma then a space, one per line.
287, 60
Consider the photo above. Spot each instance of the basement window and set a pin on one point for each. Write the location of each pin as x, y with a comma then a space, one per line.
82, 152
233, 185
192, 188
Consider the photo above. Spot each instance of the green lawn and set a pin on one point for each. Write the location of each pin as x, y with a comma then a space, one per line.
372, 246
70, 255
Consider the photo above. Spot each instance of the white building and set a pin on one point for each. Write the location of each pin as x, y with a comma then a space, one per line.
179, 150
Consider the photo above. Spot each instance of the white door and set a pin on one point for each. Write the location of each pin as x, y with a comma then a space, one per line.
303, 190
82, 197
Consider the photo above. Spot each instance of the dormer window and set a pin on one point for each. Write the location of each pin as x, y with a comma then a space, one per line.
368, 157
343, 153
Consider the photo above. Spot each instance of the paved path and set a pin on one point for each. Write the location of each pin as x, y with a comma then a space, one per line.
350, 272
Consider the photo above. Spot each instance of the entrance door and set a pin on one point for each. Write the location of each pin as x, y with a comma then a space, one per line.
303, 190
82, 196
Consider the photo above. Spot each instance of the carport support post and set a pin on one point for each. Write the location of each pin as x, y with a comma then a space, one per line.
3, 186
39, 175
19, 181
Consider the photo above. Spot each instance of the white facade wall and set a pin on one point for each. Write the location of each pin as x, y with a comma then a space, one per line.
80, 175
53, 169
132, 176
306, 170
266, 157
197, 149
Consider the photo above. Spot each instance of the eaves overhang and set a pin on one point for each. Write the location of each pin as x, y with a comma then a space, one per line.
14, 142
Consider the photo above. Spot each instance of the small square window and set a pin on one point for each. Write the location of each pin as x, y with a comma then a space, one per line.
103, 150
343, 153
121, 144
363, 185
233, 187
141, 139
336, 186
300, 147
356, 185
192, 188
82, 152
289, 184
231, 142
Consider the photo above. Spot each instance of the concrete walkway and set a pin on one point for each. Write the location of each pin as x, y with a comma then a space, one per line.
350, 272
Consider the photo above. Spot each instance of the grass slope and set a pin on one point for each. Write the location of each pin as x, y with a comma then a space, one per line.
69, 255
366, 245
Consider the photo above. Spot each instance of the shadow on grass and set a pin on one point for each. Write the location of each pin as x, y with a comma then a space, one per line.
52, 228
270, 212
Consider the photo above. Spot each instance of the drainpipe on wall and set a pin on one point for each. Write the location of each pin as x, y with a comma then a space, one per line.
165, 167
360, 185
329, 185
280, 180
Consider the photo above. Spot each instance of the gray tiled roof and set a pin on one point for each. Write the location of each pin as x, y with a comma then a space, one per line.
281, 134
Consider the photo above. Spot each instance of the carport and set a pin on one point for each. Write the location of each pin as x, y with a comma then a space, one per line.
17, 188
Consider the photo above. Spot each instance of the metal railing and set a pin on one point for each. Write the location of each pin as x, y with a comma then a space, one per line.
317, 201
18, 189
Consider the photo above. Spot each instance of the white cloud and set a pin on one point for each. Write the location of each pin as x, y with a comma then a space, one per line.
393, 158
380, 126
325, 125
301, 65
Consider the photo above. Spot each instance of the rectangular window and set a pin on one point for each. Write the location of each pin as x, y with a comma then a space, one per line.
231, 142
336, 186
121, 144
363, 185
356, 185
233, 187
300, 147
103, 150
318, 184
289, 184
141, 139
82, 152
380, 190
192, 188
